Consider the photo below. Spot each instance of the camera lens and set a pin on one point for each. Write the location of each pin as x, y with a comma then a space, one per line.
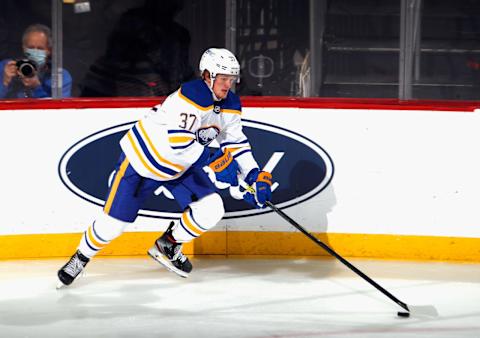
26, 68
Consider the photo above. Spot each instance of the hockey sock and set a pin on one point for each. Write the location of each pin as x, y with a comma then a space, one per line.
201, 216
103, 230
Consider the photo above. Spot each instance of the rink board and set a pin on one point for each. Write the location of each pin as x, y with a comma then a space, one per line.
257, 243
371, 178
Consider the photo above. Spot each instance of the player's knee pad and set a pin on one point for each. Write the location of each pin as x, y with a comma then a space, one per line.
208, 211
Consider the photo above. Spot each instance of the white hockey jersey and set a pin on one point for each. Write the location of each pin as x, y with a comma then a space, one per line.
172, 137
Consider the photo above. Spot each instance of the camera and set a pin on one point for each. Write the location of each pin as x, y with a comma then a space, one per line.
26, 67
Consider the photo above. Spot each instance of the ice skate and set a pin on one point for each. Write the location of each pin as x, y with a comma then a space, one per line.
70, 271
169, 253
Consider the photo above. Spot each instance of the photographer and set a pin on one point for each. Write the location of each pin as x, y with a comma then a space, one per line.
30, 76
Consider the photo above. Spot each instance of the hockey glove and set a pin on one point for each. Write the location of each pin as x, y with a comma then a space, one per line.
224, 167
261, 182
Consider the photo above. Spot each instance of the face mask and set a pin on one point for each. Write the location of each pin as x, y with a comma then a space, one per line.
38, 56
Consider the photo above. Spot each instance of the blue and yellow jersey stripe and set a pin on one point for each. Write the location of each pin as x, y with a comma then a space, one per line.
180, 139
237, 148
149, 155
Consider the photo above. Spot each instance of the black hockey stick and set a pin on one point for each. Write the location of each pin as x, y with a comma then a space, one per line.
428, 311
337, 256
331, 252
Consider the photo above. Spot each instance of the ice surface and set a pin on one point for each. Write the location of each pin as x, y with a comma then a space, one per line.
238, 297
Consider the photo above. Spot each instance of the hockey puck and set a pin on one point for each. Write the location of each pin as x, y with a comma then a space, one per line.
403, 314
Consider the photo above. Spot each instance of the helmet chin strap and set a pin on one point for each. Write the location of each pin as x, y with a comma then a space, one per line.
215, 98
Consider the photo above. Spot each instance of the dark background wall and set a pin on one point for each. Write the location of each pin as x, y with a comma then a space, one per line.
359, 51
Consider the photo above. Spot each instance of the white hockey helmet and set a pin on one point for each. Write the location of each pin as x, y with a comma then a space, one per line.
219, 61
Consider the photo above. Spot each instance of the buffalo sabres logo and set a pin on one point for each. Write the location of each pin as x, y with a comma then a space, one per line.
216, 109
205, 135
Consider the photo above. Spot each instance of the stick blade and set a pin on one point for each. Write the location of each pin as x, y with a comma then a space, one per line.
426, 311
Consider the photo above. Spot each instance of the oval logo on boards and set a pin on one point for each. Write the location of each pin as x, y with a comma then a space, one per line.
300, 168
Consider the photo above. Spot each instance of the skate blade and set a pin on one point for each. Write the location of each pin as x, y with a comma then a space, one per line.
60, 285
167, 264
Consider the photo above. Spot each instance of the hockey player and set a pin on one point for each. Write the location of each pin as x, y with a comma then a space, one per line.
169, 147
